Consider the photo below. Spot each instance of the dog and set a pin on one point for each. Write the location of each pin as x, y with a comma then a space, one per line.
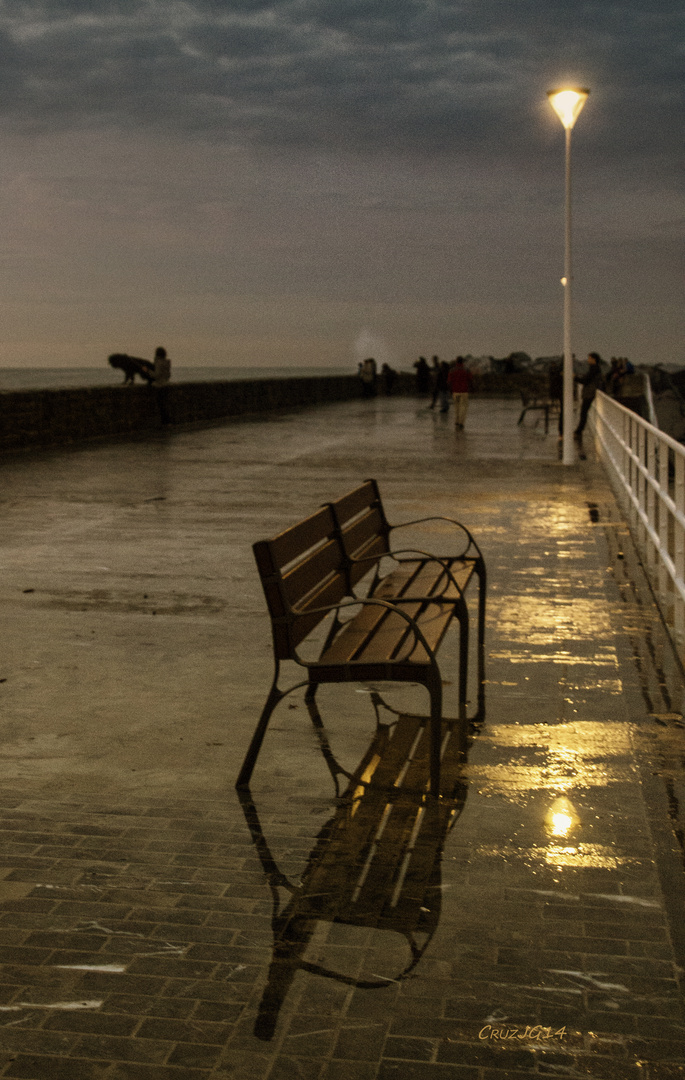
132, 366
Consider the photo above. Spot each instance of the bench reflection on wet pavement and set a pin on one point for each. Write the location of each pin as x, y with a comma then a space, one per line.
376, 862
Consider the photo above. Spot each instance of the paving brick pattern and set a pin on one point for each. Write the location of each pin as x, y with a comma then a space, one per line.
137, 930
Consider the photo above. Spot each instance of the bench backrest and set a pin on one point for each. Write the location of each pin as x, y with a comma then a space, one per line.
301, 568
314, 564
363, 528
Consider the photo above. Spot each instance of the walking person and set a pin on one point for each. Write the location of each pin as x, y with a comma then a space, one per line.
459, 382
591, 381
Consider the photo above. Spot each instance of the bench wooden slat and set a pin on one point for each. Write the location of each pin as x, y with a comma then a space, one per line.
365, 639
352, 637
295, 541
433, 622
364, 624
424, 578
424, 581
367, 556
356, 537
348, 506
433, 619
441, 585
330, 594
372, 637
308, 574
389, 636
394, 583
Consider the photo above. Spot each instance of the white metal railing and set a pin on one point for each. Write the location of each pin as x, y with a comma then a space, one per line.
647, 468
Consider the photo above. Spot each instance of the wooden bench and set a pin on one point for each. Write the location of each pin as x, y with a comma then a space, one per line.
314, 569
376, 862
531, 401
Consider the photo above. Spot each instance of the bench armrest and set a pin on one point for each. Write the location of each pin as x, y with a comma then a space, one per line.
442, 560
367, 601
451, 521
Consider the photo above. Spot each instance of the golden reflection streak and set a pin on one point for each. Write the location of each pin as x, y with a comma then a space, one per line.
541, 620
578, 736
597, 856
523, 657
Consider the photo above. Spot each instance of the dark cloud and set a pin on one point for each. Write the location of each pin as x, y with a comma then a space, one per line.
398, 75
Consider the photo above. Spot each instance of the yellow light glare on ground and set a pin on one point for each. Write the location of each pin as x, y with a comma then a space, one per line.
561, 817
567, 104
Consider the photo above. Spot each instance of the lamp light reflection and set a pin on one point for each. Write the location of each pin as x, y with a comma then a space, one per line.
561, 818
561, 824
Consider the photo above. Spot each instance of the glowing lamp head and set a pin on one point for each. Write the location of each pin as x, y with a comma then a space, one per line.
567, 104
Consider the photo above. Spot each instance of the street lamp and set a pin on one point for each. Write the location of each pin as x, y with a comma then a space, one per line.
567, 104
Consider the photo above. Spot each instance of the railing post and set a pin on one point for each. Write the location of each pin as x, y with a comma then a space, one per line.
679, 550
651, 499
634, 473
641, 487
664, 515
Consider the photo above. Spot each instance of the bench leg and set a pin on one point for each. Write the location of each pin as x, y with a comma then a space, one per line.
312, 707
482, 583
275, 695
463, 617
434, 687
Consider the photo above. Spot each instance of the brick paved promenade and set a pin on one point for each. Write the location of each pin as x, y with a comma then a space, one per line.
139, 898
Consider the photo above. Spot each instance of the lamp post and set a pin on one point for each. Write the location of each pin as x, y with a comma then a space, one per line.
567, 104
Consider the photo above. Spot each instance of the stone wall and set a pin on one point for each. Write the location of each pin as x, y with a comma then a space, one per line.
57, 417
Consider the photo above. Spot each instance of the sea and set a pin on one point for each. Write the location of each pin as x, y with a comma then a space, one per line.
59, 378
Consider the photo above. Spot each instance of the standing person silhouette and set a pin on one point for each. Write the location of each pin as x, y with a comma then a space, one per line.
162, 367
591, 381
423, 376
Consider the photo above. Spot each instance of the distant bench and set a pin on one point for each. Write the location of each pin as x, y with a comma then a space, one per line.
532, 400
312, 570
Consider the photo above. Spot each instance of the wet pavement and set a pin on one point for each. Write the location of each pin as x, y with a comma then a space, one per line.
155, 926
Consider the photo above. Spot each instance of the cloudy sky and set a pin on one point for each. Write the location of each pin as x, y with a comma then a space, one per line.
260, 182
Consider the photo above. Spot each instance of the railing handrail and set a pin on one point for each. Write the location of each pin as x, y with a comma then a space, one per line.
647, 469
662, 435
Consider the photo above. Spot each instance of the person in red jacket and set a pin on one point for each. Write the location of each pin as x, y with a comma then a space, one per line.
459, 381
